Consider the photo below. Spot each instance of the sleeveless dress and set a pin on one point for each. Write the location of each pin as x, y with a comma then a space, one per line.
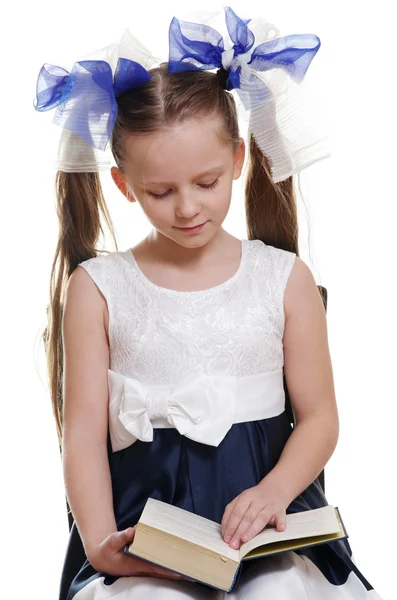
197, 416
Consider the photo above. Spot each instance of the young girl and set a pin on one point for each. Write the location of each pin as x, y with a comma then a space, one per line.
174, 350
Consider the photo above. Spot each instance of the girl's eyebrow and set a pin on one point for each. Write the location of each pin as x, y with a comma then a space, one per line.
207, 172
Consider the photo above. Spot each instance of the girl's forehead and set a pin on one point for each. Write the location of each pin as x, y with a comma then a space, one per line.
191, 147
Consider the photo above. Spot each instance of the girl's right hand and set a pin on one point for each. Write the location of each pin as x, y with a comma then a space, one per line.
109, 558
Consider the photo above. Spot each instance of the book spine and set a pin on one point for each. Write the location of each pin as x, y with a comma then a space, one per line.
343, 525
236, 578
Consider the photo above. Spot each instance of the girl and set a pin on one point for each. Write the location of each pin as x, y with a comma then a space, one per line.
173, 351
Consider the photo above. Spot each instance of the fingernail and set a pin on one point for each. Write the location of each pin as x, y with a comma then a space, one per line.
245, 537
234, 544
227, 539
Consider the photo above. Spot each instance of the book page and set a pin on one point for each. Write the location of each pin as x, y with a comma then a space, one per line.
318, 521
188, 526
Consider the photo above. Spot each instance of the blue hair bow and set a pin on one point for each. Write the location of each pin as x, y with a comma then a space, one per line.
195, 46
85, 98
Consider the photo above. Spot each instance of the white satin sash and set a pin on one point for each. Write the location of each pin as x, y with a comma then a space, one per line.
201, 407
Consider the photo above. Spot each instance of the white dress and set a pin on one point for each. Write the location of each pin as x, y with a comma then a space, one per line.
196, 416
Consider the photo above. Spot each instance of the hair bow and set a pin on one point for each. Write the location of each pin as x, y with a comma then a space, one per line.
268, 80
86, 97
195, 46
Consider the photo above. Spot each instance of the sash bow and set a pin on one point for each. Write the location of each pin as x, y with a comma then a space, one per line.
201, 407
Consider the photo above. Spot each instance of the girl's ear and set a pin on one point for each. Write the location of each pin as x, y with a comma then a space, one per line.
121, 183
239, 159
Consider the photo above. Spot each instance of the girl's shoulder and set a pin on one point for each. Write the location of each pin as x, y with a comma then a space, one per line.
106, 263
269, 249
270, 257
107, 270
104, 258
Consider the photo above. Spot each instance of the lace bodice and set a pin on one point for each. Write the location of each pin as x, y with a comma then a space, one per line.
160, 336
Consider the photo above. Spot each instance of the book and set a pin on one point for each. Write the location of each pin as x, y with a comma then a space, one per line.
193, 546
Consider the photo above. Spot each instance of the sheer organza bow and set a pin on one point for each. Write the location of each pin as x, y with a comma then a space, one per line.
267, 77
195, 46
85, 98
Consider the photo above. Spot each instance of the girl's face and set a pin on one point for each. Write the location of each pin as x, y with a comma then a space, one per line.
182, 177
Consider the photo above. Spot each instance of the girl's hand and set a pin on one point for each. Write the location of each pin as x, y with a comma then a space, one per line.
109, 558
250, 512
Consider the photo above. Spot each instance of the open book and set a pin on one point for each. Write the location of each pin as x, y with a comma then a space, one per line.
193, 546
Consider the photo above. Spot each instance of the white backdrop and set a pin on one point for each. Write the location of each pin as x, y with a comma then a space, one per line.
350, 200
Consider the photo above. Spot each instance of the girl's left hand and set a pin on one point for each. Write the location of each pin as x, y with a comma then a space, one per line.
250, 512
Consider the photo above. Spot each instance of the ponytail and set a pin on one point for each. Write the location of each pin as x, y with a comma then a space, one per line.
80, 204
270, 207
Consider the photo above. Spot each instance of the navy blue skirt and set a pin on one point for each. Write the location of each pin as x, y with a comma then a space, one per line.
202, 479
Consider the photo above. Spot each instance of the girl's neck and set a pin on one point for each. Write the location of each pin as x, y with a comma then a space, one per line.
160, 249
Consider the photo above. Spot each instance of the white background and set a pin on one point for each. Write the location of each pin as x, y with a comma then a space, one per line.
349, 201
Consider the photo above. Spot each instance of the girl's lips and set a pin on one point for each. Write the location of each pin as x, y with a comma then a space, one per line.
192, 229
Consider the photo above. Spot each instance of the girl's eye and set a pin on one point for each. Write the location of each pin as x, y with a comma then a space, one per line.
205, 186
209, 186
160, 195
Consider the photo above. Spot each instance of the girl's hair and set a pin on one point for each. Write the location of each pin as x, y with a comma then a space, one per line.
167, 99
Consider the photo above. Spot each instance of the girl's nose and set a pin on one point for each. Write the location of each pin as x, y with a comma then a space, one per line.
187, 206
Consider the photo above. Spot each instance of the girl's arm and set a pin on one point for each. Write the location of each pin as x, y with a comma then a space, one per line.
85, 457
309, 377
84, 443
308, 372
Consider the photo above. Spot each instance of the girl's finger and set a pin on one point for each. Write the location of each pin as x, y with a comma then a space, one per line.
281, 521
146, 569
166, 575
117, 540
278, 521
272, 521
244, 525
227, 513
236, 515
260, 522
